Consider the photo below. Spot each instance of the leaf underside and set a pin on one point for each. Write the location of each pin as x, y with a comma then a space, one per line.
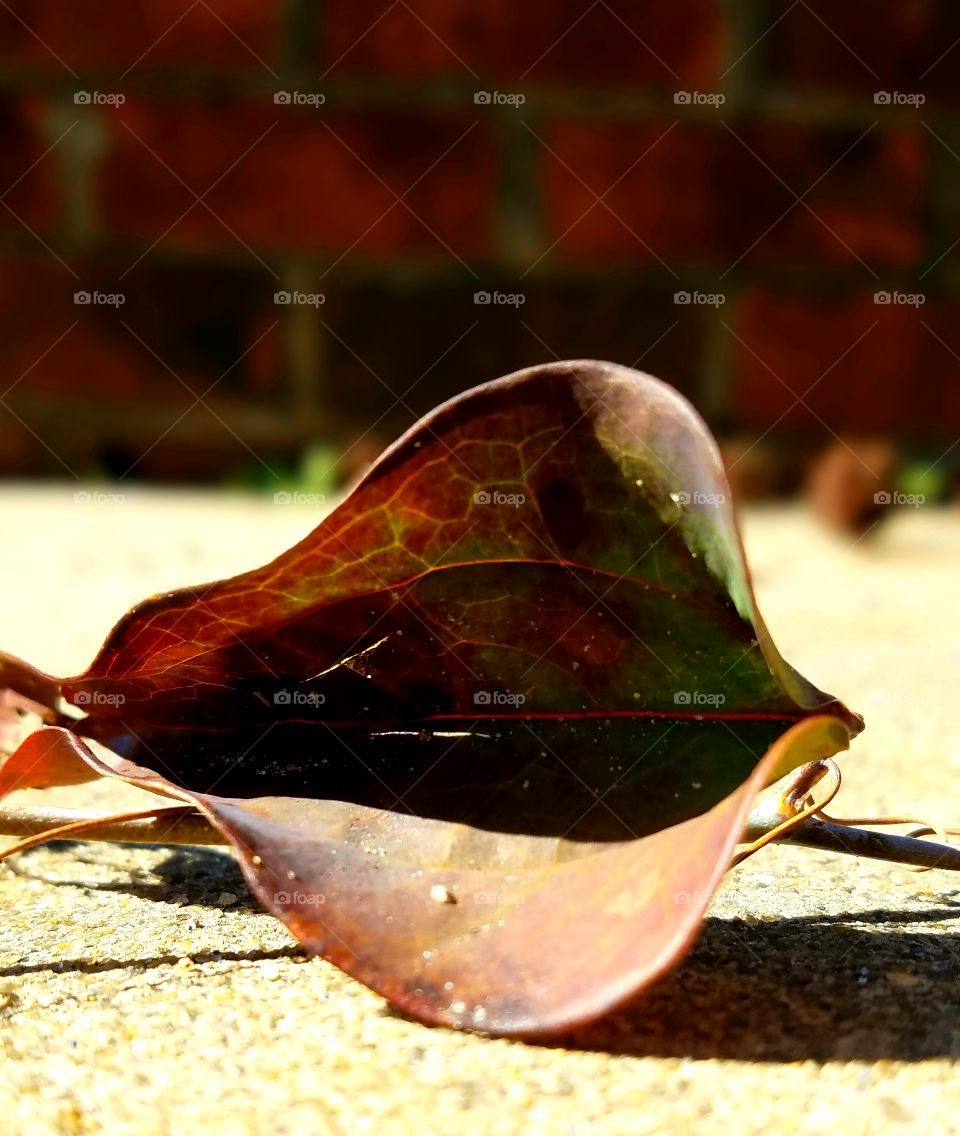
486, 737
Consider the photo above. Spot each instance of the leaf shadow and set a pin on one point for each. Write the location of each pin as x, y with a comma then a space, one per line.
821, 987
193, 875
99, 966
185, 875
845, 986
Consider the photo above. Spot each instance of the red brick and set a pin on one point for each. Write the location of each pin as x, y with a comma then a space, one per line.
661, 207
78, 383
210, 325
28, 179
434, 340
897, 46
866, 204
877, 368
314, 179
145, 36
90, 362
693, 192
198, 323
626, 43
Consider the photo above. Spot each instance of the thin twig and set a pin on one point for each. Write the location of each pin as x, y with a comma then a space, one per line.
177, 824
875, 845
181, 824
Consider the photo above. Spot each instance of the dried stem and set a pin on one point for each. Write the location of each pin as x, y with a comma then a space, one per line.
791, 811
875, 845
177, 824
182, 824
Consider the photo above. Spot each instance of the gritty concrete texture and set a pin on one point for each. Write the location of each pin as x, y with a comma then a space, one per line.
141, 992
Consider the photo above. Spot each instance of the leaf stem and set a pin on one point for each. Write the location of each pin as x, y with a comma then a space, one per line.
184, 825
875, 845
177, 824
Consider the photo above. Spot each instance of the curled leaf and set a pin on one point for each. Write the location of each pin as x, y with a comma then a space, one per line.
487, 736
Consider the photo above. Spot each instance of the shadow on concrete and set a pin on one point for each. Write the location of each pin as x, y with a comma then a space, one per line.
848, 986
858, 986
185, 875
98, 966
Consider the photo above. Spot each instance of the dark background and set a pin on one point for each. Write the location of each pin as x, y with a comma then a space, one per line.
596, 199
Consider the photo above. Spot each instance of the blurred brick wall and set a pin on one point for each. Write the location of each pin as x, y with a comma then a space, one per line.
738, 149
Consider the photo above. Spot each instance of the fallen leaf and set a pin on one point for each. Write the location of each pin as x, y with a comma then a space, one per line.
520, 667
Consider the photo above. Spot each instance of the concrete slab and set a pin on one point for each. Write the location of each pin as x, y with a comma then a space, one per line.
142, 993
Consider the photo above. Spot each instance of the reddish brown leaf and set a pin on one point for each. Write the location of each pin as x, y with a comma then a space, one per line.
521, 663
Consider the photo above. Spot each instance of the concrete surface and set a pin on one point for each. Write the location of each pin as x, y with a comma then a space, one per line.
141, 993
